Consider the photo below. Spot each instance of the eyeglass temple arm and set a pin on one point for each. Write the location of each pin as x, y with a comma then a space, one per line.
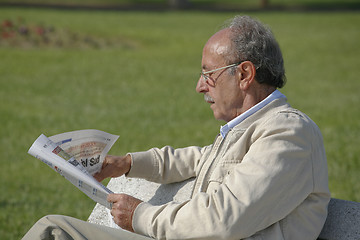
231, 65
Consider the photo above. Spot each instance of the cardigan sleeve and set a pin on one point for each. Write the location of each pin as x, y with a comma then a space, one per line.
166, 165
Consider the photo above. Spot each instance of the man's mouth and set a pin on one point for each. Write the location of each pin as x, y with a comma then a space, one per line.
208, 99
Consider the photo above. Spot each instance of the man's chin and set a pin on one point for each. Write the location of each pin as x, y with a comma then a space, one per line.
217, 116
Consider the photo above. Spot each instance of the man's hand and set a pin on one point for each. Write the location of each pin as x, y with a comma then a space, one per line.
114, 166
123, 207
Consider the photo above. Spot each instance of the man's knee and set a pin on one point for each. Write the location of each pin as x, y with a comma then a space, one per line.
47, 228
49, 218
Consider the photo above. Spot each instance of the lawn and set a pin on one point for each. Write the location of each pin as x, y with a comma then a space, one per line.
196, 4
138, 81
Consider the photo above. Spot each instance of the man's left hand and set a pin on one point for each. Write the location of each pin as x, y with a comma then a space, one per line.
123, 207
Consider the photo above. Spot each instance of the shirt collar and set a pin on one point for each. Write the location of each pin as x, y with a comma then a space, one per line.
231, 124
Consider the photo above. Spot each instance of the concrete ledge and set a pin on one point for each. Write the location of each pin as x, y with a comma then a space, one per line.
343, 222
153, 193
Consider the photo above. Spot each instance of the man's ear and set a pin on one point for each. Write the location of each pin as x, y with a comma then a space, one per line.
246, 74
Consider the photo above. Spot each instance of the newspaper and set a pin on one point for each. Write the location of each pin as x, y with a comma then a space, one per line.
77, 156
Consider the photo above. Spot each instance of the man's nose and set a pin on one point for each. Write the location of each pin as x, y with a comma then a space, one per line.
201, 85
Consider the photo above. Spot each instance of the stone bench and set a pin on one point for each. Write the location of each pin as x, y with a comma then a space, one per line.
153, 193
342, 223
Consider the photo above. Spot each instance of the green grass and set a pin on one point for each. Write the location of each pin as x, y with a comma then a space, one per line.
244, 4
146, 94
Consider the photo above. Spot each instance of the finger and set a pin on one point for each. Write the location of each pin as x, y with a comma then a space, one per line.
108, 160
114, 217
105, 172
98, 177
110, 198
114, 197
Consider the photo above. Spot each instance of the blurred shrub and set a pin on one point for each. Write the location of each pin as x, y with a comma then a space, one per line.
19, 33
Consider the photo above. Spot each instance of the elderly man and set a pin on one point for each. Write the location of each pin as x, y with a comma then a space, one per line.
264, 177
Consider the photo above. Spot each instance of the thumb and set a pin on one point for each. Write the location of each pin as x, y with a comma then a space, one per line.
98, 177
104, 173
112, 197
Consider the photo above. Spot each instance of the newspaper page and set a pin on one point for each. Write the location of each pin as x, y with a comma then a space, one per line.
69, 167
89, 147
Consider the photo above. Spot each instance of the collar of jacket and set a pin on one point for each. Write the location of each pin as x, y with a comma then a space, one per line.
273, 96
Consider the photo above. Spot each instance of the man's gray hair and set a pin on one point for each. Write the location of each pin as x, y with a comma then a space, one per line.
253, 41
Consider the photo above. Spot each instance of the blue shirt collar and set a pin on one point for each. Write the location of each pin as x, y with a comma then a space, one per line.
226, 128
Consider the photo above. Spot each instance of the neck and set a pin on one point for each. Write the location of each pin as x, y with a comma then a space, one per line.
256, 95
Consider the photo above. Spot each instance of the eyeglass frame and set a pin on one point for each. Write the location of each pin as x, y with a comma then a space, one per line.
207, 78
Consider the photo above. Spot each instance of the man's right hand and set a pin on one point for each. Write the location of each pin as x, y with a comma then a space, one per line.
114, 166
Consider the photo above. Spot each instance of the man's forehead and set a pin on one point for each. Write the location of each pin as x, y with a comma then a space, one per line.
219, 42
217, 46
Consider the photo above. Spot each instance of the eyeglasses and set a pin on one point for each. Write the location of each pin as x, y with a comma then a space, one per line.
210, 81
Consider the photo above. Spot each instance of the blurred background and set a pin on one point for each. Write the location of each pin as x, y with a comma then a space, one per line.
130, 68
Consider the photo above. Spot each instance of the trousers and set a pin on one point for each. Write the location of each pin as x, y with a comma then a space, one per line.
59, 227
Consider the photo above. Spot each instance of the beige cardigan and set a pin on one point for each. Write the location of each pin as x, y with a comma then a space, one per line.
267, 179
